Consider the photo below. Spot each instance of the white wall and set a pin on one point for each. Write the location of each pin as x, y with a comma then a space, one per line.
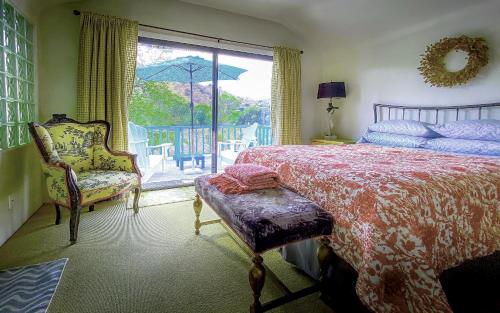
59, 30
384, 70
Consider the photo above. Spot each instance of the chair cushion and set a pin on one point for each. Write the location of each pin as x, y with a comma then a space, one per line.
267, 218
99, 185
74, 144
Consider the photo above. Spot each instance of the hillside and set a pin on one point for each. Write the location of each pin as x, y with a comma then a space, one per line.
203, 94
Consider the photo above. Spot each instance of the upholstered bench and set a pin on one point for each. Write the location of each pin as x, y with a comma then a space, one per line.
264, 220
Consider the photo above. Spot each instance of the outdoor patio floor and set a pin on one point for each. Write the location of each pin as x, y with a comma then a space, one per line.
170, 175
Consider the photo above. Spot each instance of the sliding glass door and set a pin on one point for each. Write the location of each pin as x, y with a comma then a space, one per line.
244, 106
194, 108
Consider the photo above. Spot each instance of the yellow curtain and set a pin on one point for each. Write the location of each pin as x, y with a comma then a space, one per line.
106, 72
285, 96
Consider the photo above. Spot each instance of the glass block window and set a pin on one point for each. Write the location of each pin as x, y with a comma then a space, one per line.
17, 106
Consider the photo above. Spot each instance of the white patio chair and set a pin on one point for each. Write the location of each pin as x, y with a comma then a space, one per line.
229, 150
138, 144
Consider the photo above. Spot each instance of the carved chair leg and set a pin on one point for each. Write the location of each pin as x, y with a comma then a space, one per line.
137, 195
58, 214
197, 206
257, 277
74, 223
91, 208
325, 258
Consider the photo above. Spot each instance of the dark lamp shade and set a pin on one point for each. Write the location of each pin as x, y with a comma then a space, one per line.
331, 90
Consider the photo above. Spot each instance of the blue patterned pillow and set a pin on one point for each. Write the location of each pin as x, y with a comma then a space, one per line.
404, 127
466, 146
471, 129
394, 140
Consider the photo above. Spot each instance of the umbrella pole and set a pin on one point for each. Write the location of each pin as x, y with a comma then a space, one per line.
193, 169
192, 122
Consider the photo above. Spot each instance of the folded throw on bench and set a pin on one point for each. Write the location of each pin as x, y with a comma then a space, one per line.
242, 178
250, 174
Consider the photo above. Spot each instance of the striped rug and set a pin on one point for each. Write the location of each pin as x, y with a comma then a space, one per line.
30, 289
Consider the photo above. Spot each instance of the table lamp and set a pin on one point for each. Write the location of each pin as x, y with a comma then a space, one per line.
331, 90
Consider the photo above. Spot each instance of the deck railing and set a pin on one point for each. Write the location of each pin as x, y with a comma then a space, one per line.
180, 136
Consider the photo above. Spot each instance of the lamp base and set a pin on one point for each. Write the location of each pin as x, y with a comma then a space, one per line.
330, 137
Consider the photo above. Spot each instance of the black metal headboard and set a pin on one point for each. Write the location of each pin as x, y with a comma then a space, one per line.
431, 114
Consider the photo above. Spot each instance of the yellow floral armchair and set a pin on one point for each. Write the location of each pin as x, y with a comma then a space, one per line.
79, 167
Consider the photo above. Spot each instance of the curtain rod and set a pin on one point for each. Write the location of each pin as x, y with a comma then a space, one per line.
76, 12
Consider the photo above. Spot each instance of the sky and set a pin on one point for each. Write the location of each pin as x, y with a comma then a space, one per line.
255, 83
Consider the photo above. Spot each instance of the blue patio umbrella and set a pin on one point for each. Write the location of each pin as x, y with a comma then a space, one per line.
192, 70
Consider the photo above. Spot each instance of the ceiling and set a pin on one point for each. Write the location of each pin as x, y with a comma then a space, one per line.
349, 20
328, 21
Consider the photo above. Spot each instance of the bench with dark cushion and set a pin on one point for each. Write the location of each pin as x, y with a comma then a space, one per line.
264, 220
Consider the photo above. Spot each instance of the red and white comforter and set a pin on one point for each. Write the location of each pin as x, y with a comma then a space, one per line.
401, 216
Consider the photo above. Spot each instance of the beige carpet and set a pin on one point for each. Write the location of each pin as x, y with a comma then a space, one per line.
150, 262
157, 197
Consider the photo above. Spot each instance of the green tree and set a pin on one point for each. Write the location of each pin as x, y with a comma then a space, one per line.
153, 104
250, 115
232, 118
202, 114
229, 108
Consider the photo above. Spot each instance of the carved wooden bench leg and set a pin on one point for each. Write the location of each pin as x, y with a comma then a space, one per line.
137, 195
223, 205
58, 214
325, 258
74, 223
257, 277
197, 206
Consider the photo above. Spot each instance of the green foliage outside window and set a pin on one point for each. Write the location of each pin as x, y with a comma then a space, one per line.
153, 104
17, 104
156, 104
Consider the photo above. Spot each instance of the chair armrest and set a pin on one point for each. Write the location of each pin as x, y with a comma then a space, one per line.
167, 144
115, 160
164, 148
232, 143
61, 183
137, 141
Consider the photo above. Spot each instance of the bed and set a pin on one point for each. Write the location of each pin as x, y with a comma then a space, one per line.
402, 216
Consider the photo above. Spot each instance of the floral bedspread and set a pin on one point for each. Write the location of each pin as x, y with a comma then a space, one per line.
401, 216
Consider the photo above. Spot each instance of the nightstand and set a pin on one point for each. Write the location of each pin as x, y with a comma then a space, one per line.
338, 141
